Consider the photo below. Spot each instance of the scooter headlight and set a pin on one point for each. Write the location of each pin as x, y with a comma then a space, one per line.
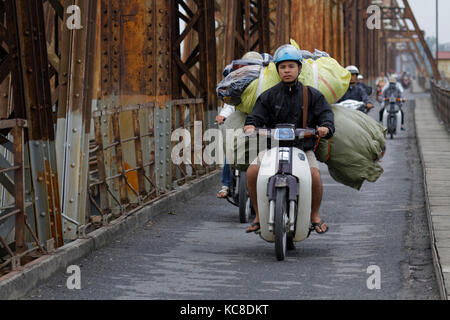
284, 134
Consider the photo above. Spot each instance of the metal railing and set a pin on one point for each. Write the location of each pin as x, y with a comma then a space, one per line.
441, 100
129, 167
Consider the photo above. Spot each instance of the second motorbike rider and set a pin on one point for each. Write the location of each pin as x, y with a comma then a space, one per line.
283, 104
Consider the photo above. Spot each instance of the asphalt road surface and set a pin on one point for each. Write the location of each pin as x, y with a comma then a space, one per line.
202, 251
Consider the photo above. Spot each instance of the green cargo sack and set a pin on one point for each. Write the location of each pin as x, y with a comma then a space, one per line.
353, 153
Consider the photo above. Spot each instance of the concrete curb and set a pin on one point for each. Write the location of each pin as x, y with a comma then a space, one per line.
424, 106
17, 284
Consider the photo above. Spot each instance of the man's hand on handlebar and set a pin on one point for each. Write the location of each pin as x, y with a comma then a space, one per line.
369, 106
322, 132
248, 130
220, 119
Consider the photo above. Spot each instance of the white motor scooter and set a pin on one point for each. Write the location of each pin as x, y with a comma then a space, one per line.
284, 190
392, 116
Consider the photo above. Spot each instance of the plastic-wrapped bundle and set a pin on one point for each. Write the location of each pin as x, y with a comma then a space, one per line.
353, 153
237, 64
315, 56
231, 88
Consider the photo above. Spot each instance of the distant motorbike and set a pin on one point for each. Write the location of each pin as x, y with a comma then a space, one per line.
392, 116
354, 105
406, 82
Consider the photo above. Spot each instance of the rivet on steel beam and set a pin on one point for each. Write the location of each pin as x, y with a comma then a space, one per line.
72, 165
75, 130
40, 179
71, 200
43, 214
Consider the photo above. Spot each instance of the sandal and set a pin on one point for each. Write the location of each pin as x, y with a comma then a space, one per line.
318, 224
255, 224
223, 193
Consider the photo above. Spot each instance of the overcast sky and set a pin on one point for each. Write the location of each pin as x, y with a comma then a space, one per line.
425, 12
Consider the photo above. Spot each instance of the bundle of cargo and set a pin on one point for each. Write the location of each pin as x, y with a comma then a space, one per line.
352, 155
320, 71
354, 152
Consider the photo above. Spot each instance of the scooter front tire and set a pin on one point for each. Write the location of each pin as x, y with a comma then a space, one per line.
280, 224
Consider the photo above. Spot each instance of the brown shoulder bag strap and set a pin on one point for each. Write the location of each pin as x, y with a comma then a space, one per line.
305, 106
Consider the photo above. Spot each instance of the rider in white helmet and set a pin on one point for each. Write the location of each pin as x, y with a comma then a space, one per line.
363, 85
356, 92
393, 90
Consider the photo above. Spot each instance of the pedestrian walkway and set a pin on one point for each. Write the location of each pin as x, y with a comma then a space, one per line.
434, 145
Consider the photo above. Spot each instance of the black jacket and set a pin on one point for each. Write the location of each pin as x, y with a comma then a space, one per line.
356, 92
283, 104
366, 88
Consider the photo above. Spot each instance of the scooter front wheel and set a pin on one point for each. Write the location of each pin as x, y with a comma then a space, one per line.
280, 224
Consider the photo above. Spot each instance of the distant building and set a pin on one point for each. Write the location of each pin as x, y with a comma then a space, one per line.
444, 64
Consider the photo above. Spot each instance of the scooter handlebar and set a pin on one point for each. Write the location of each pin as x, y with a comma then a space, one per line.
299, 133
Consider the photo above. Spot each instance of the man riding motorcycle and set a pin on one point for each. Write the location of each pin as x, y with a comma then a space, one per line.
283, 104
227, 111
393, 90
363, 85
355, 91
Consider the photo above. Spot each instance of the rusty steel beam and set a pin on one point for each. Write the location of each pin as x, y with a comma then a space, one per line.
247, 28
38, 106
282, 23
410, 15
74, 115
196, 75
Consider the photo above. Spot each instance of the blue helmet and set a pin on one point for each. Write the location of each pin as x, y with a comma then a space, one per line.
287, 52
